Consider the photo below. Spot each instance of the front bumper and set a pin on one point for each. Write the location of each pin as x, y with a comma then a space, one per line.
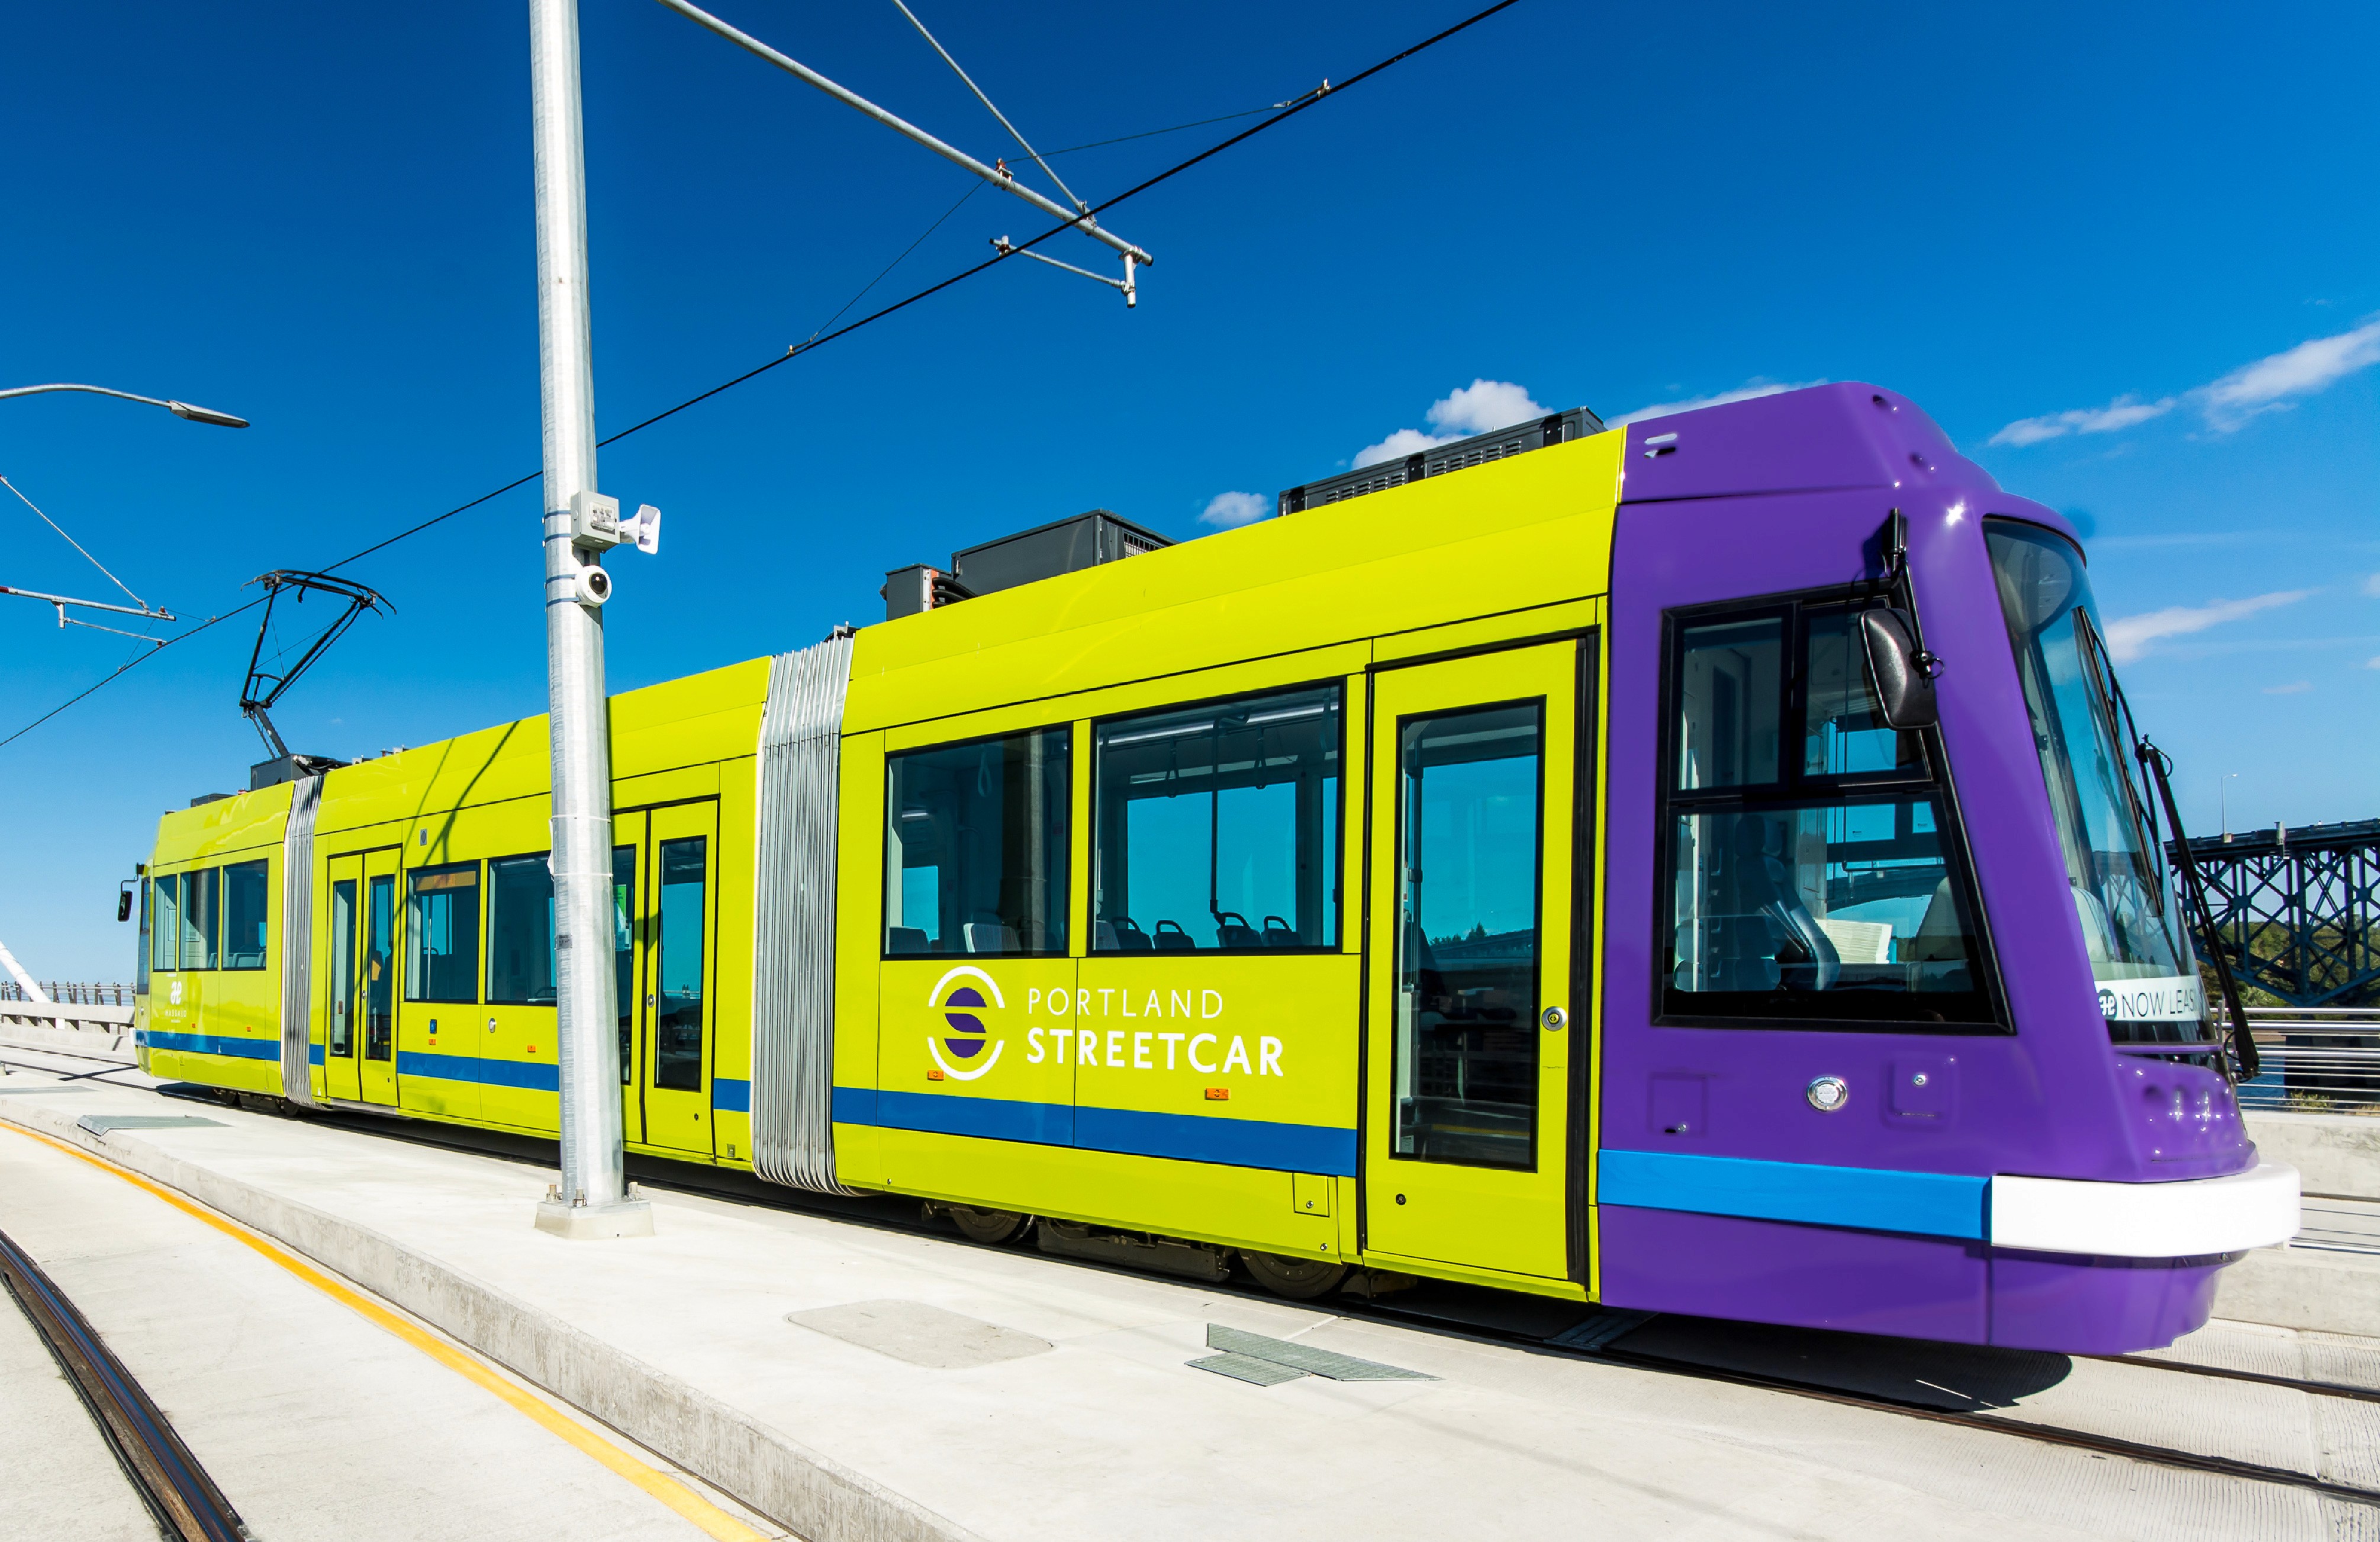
2191, 1218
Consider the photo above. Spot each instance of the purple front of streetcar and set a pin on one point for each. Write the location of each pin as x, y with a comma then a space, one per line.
1874, 1214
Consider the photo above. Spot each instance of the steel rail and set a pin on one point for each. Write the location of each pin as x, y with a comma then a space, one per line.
183, 1498
2260, 1378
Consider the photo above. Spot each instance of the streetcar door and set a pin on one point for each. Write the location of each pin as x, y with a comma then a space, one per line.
1474, 807
377, 979
629, 865
678, 1010
342, 956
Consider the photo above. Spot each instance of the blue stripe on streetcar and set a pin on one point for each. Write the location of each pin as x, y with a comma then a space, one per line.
533, 1075
313, 1054
730, 1096
952, 1113
1866, 1198
210, 1044
1125, 1131
1200, 1138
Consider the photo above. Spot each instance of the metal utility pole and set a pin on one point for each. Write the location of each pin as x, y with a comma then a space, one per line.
590, 1201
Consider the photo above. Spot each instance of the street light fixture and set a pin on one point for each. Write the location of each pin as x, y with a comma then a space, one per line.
180, 409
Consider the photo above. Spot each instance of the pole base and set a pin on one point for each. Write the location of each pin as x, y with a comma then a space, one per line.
627, 1218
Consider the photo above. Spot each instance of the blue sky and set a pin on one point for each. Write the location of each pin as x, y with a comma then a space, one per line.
2125, 255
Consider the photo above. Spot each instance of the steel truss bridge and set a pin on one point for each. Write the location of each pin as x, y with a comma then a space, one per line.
2297, 912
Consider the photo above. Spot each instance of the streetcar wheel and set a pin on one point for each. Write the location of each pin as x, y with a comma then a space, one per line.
990, 1227
1298, 1279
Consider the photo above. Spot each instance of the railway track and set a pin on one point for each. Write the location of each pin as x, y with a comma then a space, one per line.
2051, 1435
184, 1501
881, 1212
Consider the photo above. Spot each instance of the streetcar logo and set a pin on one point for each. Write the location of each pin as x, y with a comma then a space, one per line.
963, 1033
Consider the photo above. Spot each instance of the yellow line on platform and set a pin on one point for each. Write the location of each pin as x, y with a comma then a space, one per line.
713, 1521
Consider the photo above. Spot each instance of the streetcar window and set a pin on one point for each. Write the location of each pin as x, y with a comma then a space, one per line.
165, 923
199, 890
520, 931
677, 956
975, 846
1219, 827
1469, 806
442, 933
246, 905
1730, 690
380, 969
1849, 900
140, 968
1843, 731
624, 955
343, 968
1829, 885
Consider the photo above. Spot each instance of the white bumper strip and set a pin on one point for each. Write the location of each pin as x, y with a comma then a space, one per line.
2183, 1220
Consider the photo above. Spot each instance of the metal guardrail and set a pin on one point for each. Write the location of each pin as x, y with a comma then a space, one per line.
2316, 1060
72, 993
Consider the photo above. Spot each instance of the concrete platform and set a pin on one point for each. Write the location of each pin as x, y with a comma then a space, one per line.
312, 1419
855, 1380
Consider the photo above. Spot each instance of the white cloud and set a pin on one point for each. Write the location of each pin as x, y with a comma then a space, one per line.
2122, 413
2375, 663
1482, 406
1398, 445
2129, 636
2372, 586
2295, 687
1744, 393
2310, 366
1229, 510
2269, 384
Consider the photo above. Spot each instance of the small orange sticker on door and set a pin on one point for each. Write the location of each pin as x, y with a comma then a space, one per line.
933, 1076
1219, 1095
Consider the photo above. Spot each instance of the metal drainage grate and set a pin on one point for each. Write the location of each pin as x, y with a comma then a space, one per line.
1247, 1367
1269, 1362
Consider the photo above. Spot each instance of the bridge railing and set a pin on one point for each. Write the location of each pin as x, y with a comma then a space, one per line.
73, 992
2316, 1060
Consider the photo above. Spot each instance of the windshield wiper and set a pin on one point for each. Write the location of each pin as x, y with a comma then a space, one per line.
2243, 1044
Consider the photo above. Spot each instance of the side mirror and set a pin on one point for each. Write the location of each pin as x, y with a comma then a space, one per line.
1902, 686
124, 901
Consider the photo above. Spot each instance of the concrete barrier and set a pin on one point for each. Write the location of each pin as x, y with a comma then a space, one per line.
2335, 1154
816, 1497
113, 1044
2303, 1288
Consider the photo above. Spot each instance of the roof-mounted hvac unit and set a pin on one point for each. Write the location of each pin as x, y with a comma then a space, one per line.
1478, 450
1026, 557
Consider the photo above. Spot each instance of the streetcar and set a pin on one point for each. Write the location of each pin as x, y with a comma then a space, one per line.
1701, 866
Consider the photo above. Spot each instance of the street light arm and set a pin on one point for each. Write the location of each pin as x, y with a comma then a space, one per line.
180, 409
800, 71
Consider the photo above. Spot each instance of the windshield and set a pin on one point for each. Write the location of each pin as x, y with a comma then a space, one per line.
2131, 922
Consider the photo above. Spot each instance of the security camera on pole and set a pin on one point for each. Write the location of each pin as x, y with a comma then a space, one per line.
580, 525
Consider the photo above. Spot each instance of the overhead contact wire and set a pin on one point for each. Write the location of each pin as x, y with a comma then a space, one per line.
819, 340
